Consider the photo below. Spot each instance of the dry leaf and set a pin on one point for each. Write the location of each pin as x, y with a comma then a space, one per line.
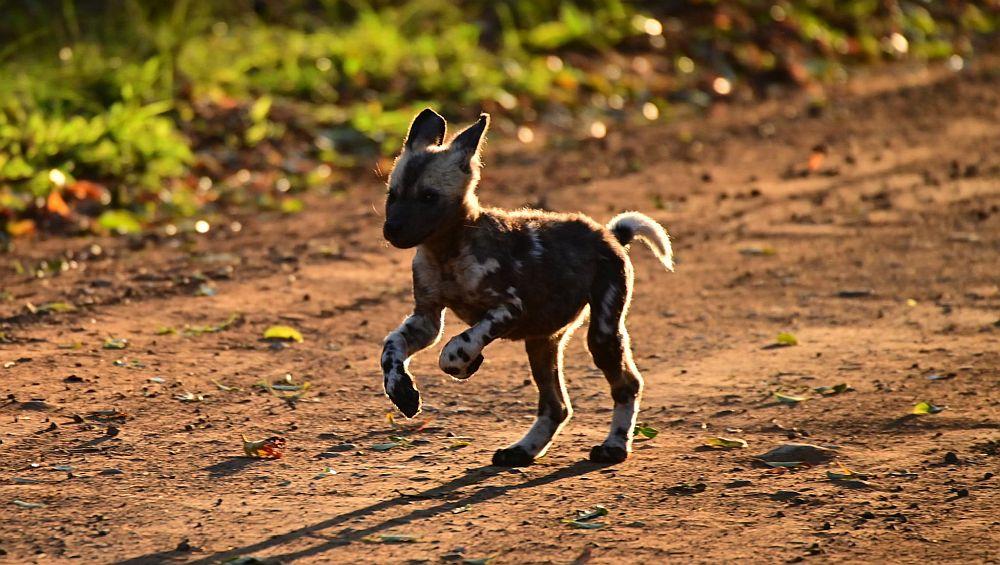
269, 448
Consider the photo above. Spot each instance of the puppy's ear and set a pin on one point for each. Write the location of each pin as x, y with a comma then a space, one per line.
428, 128
468, 142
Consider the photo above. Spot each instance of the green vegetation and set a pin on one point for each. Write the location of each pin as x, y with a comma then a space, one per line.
120, 115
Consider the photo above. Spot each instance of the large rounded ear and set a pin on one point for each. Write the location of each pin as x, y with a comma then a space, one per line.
468, 142
428, 128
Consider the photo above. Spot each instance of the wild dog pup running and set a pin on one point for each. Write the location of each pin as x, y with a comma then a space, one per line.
520, 275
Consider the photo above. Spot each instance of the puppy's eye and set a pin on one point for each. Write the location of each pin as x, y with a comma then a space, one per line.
428, 197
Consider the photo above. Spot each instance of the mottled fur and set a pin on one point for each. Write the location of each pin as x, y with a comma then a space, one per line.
521, 275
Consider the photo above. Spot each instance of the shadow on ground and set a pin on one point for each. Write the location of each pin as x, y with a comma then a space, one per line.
349, 535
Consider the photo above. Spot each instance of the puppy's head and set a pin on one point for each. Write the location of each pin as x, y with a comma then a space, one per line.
432, 183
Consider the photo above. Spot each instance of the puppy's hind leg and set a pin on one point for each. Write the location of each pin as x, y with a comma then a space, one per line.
545, 357
608, 341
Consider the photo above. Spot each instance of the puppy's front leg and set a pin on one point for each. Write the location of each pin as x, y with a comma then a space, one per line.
462, 356
420, 330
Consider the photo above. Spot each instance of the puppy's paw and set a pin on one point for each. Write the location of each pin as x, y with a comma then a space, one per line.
459, 360
514, 456
403, 394
608, 454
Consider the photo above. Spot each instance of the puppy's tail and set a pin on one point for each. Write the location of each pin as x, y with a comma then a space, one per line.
628, 226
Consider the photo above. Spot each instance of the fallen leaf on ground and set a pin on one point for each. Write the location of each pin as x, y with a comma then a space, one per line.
407, 426
194, 331
326, 472
926, 408
787, 339
205, 290
190, 397
595, 511
789, 398
24, 504
725, 442
283, 333
391, 538
289, 387
645, 431
124, 362
844, 474
938, 377
115, 343
58, 307
815, 161
269, 448
754, 250
297, 391
583, 518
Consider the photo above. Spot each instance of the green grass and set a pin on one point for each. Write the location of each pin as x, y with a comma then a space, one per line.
159, 105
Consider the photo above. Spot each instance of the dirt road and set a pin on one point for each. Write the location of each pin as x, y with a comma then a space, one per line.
869, 228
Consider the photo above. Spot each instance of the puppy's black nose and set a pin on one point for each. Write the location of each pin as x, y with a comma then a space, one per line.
392, 227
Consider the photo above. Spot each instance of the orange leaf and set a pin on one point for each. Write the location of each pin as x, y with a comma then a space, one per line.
269, 448
815, 161
57, 205
84, 189
21, 227
227, 102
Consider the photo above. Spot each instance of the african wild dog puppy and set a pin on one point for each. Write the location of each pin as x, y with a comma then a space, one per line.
520, 275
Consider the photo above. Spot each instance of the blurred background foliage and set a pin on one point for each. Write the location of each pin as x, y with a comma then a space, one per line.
116, 115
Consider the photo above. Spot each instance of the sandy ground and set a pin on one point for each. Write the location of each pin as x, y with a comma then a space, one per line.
869, 228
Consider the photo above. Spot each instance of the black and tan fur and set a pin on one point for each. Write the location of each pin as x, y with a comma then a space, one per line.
521, 275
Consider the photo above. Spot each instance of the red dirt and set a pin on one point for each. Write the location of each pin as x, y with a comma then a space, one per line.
903, 204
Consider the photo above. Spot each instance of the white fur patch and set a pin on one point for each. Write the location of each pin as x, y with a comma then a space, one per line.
479, 336
514, 298
396, 348
444, 174
606, 321
623, 418
451, 360
649, 232
538, 439
473, 272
